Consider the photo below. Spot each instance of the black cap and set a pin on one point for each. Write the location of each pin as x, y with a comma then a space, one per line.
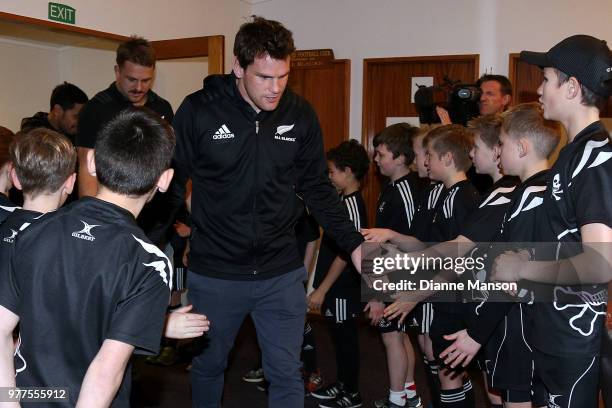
586, 58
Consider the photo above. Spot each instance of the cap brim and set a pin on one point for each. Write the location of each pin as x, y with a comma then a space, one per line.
535, 58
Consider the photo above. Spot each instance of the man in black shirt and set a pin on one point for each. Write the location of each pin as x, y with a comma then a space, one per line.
577, 209
250, 145
66, 103
81, 312
134, 75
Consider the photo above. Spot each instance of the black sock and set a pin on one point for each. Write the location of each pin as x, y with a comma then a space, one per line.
469, 393
454, 398
433, 381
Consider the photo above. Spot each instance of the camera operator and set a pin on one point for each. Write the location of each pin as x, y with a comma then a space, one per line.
495, 97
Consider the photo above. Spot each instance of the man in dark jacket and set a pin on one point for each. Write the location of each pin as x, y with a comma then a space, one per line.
65, 105
249, 145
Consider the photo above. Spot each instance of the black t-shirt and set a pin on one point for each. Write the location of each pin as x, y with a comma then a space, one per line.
6, 207
426, 208
155, 218
329, 250
452, 211
16, 222
77, 277
398, 203
579, 192
518, 225
483, 224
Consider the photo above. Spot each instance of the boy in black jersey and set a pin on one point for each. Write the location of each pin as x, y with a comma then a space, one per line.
337, 283
526, 142
6, 206
395, 211
96, 289
577, 208
477, 228
447, 161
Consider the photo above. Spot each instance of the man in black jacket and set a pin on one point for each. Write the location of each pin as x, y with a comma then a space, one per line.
249, 147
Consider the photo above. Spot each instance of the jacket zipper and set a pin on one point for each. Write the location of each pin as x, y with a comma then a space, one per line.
255, 199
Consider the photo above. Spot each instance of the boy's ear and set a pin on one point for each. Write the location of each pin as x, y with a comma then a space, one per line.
164, 180
91, 163
496, 153
523, 147
68, 185
573, 88
447, 159
15, 179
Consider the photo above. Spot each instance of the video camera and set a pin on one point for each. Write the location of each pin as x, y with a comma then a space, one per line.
460, 100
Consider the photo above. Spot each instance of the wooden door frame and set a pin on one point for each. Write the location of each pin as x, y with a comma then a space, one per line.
212, 46
513, 58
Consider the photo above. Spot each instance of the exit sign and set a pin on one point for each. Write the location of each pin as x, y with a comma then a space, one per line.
62, 13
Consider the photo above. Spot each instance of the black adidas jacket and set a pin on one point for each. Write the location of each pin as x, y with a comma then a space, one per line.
247, 169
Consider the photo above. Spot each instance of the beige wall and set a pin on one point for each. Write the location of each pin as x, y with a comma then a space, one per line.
358, 29
29, 73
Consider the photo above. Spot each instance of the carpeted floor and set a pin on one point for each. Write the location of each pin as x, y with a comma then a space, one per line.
155, 386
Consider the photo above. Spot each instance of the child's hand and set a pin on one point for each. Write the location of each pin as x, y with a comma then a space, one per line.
315, 299
377, 234
375, 309
183, 230
181, 324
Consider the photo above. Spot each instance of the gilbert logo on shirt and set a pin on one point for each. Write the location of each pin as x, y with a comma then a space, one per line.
284, 129
10, 239
85, 233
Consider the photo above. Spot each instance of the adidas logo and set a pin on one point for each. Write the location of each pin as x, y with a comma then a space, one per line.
328, 313
223, 133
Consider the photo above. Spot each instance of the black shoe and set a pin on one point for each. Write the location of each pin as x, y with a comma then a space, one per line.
344, 400
263, 386
329, 392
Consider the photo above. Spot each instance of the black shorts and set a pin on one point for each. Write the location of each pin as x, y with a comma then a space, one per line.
508, 353
516, 396
444, 323
568, 382
341, 305
389, 326
422, 316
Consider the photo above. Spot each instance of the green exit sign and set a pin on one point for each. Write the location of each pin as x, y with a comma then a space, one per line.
62, 13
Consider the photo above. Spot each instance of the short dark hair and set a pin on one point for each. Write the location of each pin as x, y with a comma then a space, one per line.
527, 120
133, 150
487, 127
504, 83
454, 139
350, 154
136, 50
398, 140
262, 37
43, 159
589, 98
6, 138
67, 95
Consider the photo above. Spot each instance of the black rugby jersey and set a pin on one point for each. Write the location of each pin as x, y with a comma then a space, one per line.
155, 217
16, 222
519, 225
6, 207
398, 203
453, 210
579, 192
426, 208
329, 249
77, 277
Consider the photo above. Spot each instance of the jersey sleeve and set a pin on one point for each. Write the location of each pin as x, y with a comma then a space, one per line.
9, 293
139, 317
592, 191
